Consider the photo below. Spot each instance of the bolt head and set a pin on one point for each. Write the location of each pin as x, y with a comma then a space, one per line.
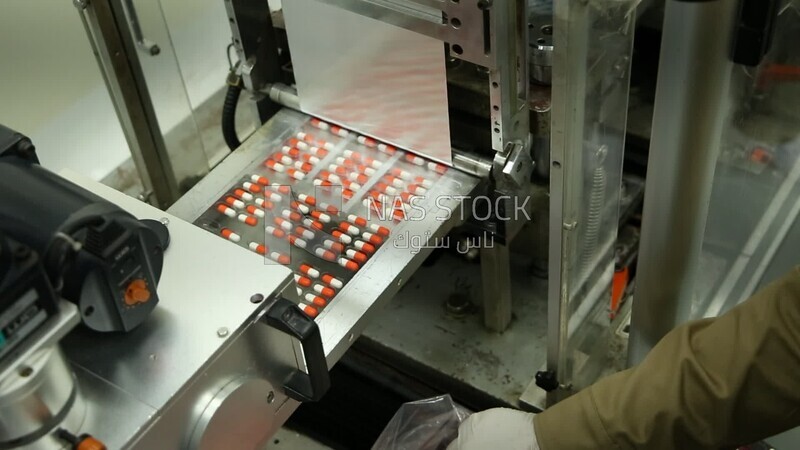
222, 332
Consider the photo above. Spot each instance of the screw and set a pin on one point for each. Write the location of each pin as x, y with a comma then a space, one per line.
80, 4
164, 221
270, 397
222, 332
256, 298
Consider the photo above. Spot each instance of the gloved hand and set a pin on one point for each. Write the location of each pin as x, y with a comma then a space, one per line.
496, 428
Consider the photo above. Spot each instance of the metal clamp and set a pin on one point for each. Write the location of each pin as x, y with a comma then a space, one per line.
286, 317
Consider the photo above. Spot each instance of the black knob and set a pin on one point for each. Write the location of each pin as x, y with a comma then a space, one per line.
546, 379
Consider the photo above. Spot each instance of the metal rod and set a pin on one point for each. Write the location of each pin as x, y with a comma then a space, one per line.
690, 111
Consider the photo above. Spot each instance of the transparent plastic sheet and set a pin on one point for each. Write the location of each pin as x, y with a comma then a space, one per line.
424, 424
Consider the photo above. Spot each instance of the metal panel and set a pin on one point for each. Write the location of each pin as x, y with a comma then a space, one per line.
376, 78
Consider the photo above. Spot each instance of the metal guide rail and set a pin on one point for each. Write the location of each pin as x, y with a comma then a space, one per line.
330, 204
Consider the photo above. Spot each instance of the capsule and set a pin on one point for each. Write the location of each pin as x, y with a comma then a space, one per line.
324, 290
308, 270
400, 173
416, 189
347, 194
337, 247
290, 151
325, 254
423, 181
304, 233
385, 188
338, 170
261, 249
326, 145
358, 177
228, 234
349, 228
307, 199
386, 148
252, 187
414, 159
345, 162
366, 170
316, 151
300, 207
321, 216
329, 208
332, 281
285, 224
258, 212
277, 232
342, 237
327, 176
235, 202
347, 264
339, 131
280, 258
294, 216
303, 281
311, 159
274, 165
302, 135
356, 255
368, 141
319, 124
323, 183
313, 224
244, 195
351, 185
266, 204
302, 166
394, 181
297, 242
363, 246
283, 159
309, 310
227, 210
315, 300
296, 174
294, 142
441, 169
249, 220
372, 238
383, 231
360, 221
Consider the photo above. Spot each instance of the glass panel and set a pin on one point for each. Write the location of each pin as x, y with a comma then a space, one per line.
752, 234
593, 44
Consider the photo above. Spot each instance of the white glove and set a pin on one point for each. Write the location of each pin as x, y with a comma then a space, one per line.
496, 428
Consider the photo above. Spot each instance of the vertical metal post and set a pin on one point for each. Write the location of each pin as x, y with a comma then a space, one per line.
690, 111
496, 276
115, 49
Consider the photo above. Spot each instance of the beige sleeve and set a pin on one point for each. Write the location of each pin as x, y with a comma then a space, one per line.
713, 383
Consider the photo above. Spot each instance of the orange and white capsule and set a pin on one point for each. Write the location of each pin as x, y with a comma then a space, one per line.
291, 152
324, 290
339, 131
244, 195
274, 165
416, 189
283, 159
341, 236
386, 148
368, 141
309, 310
327, 176
441, 169
321, 216
358, 177
381, 230
264, 181
227, 210
349, 228
323, 183
424, 182
345, 162
272, 196
265, 204
303, 136
277, 232
296, 174
308, 270
315, 300
385, 188
332, 245
302, 166
297, 241
258, 212
303, 281
414, 159
319, 124
360, 221
351, 185
294, 216
364, 247
304, 233
332, 281
235, 202
338, 170
366, 170
313, 224
261, 249
252, 187
372, 238
400, 173
228, 234
249, 220
300, 207
280, 258
325, 254
307, 199
355, 255
283, 223
311, 159
394, 181
347, 194
330, 209
329, 146
296, 143
317, 151
347, 264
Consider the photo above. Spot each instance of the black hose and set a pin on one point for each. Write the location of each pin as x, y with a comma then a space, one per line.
229, 115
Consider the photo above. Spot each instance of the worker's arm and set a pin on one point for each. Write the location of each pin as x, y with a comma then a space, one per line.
713, 383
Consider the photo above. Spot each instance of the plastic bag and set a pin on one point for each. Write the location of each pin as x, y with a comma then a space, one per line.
429, 424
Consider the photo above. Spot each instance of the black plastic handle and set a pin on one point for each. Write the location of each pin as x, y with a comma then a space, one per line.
286, 317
